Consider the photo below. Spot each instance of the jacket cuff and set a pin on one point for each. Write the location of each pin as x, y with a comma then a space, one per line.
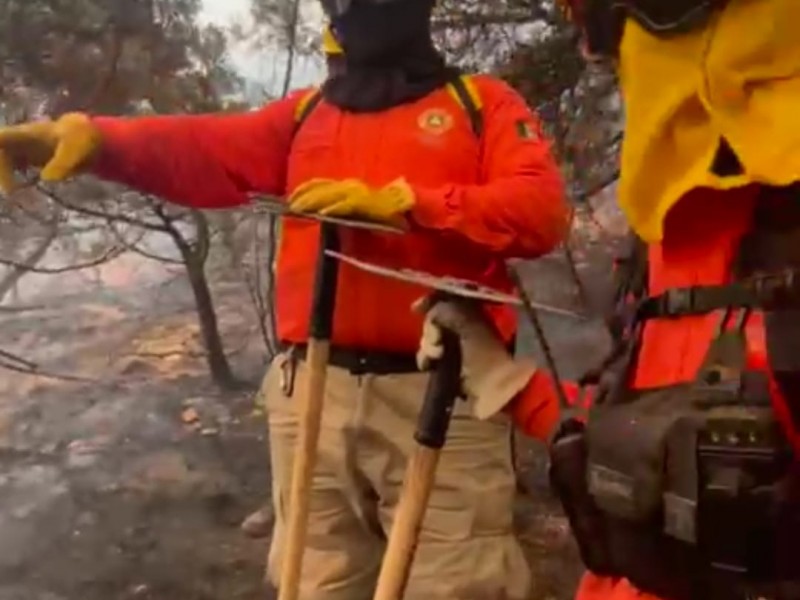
435, 208
102, 163
537, 410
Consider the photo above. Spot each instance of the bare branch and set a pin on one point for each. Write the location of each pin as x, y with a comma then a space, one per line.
587, 195
8, 356
576, 277
160, 210
262, 312
35, 371
18, 271
291, 27
22, 309
482, 20
110, 254
134, 247
261, 295
100, 214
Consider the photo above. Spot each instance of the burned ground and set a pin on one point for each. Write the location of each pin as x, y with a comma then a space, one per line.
132, 485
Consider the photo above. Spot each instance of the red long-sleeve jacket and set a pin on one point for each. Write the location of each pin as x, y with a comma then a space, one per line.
478, 201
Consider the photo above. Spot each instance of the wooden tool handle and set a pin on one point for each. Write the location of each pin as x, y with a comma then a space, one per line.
303, 469
399, 556
305, 458
433, 422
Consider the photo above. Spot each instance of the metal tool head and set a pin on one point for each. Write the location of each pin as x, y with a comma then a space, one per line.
448, 285
274, 206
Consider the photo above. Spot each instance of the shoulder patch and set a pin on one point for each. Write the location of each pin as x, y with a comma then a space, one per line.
436, 121
527, 130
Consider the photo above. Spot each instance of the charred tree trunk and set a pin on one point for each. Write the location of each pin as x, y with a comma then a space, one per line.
209, 327
194, 258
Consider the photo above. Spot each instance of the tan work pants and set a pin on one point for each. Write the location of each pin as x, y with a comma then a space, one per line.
466, 549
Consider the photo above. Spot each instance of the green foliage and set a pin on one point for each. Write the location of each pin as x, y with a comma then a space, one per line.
112, 56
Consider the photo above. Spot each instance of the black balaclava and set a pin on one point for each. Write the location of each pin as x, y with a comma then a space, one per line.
389, 54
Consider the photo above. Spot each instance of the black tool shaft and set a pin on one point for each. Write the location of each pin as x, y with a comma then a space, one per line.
443, 389
325, 285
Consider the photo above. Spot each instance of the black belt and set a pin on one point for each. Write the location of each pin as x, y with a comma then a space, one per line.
364, 362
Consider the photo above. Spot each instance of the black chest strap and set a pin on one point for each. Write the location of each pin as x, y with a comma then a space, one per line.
767, 291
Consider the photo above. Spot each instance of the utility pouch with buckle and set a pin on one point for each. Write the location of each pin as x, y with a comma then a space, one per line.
686, 489
567, 473
693, 490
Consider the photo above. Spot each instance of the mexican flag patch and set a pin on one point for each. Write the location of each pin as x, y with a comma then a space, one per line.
526, 130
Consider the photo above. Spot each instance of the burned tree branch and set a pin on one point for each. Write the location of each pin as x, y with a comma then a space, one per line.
110, 254
8, 356
21, 309
291, 27
135, 248
18, 364
9, 282
52, 195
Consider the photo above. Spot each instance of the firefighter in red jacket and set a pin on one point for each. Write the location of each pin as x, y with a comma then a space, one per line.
683, 483
395, 136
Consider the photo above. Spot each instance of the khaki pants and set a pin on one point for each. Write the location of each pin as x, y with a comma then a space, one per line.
466, 549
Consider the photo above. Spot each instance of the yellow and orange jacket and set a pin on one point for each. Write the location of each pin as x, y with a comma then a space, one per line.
737, 78
479, 200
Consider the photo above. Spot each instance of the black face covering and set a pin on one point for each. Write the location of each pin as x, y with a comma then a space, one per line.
390, 58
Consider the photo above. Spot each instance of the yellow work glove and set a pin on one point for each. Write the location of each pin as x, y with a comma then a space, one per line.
352, 198
490, 376
61, 148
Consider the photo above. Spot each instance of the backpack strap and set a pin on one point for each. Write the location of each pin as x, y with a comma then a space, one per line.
629, 285
631, 270
462, 88
305, 107
465, 92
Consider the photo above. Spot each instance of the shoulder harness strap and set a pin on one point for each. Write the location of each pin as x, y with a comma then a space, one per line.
465, 92
629, 285
305, 107
462, 88
631, 270
629, 288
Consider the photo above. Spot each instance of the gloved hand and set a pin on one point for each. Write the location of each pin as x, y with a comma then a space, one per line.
490, 375
60, 147
353, 198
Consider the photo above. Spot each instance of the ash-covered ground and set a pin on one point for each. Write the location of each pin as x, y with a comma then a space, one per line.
132, 484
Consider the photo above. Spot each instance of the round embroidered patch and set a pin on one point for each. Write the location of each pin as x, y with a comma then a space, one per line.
435, 120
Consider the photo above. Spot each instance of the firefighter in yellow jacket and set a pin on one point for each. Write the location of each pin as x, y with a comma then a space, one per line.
684, 483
